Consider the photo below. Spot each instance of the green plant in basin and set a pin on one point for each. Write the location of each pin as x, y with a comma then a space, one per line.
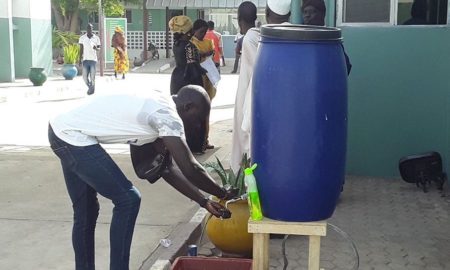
228, 177
71, 54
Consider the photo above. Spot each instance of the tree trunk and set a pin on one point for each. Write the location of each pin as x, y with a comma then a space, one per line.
145, 24
59, 17
66, 22
75, 22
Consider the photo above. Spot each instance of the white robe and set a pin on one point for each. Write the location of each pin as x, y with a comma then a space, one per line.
242, 107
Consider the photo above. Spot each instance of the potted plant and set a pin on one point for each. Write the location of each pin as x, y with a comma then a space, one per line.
71, 56
231, 235
61, 39
37, 76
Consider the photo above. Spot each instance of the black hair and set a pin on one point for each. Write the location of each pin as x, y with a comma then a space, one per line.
195, 94
199, 24
210, 24
318, 4
195, 128
176, 37
247, 12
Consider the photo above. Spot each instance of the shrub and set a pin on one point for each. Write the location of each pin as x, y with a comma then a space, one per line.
71, 54
60, 39
227, 176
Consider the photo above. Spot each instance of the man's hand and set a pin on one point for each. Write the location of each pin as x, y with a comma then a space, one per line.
217, 209
231, 193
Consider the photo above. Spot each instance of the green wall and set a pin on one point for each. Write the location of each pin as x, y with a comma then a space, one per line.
22, 40
32, 45
6, 56
399, 96
158, 19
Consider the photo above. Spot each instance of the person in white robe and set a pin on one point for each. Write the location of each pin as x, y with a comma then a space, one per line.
277, 12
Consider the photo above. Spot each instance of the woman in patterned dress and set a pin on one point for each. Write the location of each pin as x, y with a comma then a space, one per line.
119, 43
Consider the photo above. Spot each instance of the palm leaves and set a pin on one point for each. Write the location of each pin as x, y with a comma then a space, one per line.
62, 38
227, 176
71, 53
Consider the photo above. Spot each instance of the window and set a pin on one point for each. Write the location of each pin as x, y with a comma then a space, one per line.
357, 11
226, 20
128, 15
175, 12
423, 12
392, 12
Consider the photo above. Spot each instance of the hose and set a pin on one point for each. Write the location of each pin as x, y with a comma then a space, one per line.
336, 229
283, 244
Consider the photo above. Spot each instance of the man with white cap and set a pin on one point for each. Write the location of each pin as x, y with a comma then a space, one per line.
277, 12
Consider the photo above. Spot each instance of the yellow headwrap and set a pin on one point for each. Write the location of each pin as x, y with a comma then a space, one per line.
118, 29
180, 24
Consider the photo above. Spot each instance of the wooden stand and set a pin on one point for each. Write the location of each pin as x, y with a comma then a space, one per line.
261, 230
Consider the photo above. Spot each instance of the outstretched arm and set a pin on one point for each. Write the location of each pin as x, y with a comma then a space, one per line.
176, 179
190, 168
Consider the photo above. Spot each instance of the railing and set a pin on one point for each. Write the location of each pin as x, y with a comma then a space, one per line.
135, 39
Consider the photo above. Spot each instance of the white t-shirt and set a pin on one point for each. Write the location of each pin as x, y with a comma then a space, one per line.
119, 119
88, 46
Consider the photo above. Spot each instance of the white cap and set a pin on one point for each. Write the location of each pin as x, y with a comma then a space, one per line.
280, 7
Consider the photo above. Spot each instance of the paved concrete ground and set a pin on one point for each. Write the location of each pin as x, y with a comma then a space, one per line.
166, 66
36, 214
393, 224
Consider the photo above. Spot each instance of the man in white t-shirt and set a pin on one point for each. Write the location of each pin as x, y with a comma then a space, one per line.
75, 137
89, 45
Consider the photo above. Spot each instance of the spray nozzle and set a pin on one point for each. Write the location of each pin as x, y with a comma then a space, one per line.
250, 170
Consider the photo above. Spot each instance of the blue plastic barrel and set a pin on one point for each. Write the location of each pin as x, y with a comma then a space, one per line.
299, 121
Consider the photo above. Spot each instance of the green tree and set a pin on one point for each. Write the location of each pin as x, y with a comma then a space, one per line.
66, 12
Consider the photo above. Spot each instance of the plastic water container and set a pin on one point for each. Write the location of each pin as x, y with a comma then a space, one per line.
299, 121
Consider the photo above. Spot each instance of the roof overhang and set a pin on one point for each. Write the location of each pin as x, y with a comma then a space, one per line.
200, 4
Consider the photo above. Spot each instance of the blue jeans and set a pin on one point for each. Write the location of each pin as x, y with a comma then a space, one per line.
89, 70
88, 170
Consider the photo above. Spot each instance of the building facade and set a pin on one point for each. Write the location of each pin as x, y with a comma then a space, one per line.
223, 13
398, 90
26, 27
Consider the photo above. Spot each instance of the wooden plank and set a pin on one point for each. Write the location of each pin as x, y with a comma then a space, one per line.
267, 225
260, 251
314, 252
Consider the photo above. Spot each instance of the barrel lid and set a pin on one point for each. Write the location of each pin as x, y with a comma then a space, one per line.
300, 32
